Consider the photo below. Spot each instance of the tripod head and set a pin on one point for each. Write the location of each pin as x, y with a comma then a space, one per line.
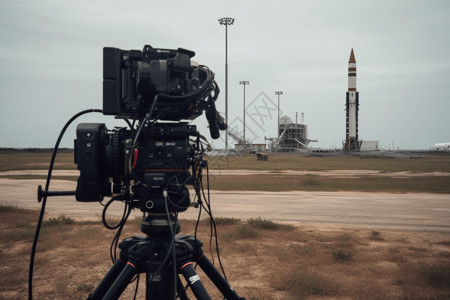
160, 225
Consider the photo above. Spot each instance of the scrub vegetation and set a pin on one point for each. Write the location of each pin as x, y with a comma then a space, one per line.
262, 259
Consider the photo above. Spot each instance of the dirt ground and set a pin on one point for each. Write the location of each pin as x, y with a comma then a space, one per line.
303, 262
420, 212
415, 231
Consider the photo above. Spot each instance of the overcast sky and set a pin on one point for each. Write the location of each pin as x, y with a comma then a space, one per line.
51, 63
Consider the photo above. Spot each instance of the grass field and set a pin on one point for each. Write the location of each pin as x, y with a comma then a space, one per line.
427, 163
276, 183
36, 160
39, 159
27, 160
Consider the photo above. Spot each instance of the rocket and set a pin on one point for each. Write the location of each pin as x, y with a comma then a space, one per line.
351, 107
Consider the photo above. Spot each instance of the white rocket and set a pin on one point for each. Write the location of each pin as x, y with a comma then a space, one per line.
352, 106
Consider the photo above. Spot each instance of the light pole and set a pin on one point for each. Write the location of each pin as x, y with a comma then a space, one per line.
244, 83
226, 21
278, 93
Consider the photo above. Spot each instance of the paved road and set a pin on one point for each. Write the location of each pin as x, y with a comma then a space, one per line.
416, 212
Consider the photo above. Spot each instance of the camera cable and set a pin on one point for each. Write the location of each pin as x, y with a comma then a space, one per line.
44, 198
213, 226
126, 213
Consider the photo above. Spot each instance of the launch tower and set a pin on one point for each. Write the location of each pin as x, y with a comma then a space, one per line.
351, 142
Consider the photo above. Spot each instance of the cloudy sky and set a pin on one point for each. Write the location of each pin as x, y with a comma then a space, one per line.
51, 63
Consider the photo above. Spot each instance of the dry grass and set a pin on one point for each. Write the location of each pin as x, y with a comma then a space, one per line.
427, 163
263, 260
275, 183
38, 160
34, 160
27, 160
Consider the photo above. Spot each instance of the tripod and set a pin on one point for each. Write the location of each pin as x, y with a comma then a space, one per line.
163, 258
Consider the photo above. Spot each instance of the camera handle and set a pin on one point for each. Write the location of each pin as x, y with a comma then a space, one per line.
42, 193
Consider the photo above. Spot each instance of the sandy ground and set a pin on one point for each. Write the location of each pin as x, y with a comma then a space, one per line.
416, 212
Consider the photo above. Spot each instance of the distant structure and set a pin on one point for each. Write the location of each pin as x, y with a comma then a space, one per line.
352, 143
441, 147
292, 137
244, 145
370, 145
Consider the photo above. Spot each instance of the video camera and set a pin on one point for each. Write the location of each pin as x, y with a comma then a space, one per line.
153, 159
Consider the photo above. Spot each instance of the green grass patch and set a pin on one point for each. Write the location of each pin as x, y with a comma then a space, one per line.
226, 221
241, 232
62, 220
341, 254
268, 225
247, 232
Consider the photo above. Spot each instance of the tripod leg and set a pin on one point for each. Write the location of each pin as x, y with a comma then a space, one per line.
116, 269
194, 282
108, 280
121, 282
217, 278
181, 293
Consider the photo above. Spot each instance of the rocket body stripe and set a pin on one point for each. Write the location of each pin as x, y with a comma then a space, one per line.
352, 75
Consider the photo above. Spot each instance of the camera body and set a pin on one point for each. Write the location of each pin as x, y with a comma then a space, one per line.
149, 163
131, 79
160, 164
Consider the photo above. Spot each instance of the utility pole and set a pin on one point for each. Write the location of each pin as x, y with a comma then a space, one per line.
244, 83
226, 21
278, 93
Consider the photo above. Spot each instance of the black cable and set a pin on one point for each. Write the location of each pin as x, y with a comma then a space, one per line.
44, 198
148, 117
205, 87
115, 241
198, 195
212, 222
137, 285
126, 212
106, 206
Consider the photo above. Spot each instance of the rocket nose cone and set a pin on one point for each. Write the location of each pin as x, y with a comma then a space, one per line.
352, 57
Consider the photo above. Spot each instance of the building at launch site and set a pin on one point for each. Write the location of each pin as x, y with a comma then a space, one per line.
292, 137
